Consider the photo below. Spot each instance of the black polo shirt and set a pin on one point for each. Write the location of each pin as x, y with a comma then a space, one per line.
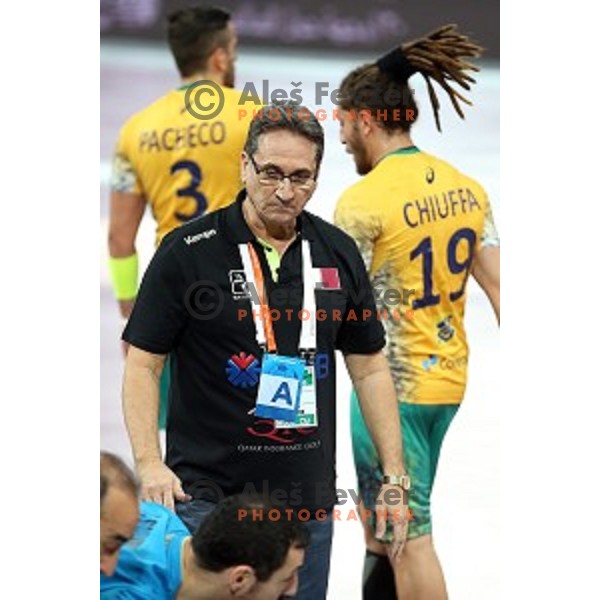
190, 304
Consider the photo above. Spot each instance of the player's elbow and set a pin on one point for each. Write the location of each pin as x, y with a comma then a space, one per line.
120, 243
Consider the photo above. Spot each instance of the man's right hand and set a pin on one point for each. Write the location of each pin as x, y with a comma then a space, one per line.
160, 484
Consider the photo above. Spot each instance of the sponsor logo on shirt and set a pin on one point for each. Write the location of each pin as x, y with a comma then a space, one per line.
243, 370
239, 288
444, 363
430, 362
445, 330
204, 235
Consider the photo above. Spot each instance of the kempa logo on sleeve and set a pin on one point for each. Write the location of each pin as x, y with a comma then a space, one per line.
204, 235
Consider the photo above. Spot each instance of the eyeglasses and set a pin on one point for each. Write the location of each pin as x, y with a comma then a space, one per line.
272, 176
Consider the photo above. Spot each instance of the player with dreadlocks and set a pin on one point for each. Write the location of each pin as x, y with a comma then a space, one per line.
422, 227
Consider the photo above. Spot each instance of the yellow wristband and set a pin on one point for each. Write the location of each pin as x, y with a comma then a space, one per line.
124, 275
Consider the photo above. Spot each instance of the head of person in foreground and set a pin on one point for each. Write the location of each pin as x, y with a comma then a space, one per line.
240, 552
119, 509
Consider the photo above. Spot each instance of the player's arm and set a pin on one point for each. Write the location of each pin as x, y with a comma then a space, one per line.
486, 265
141, 385
127, 205
486, 270
126, 212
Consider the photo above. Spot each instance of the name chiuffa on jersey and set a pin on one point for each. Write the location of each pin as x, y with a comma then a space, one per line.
442, 206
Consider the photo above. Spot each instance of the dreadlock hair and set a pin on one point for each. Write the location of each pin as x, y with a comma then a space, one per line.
382, 87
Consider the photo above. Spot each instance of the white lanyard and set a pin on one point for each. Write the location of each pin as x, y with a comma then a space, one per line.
308, 329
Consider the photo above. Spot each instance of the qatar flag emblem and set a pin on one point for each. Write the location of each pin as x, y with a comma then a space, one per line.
328, 278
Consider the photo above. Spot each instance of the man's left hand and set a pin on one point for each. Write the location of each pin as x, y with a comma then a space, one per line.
392, 518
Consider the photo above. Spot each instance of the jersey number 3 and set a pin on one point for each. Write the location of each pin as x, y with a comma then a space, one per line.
456, 267
191, 191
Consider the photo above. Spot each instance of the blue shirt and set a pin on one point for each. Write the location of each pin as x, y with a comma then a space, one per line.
149, 564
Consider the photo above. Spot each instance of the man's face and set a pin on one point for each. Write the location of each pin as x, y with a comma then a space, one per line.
229, 75
352, 138
119, 515
280, 152
283, 582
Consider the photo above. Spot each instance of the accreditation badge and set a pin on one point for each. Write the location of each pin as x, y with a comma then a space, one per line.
307, 411
280, 387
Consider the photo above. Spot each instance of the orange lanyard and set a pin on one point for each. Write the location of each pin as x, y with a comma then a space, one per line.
264, 301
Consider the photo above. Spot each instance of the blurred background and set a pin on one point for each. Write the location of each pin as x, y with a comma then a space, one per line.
321, 40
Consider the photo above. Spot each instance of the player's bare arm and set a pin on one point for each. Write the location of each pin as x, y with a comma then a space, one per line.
126, 212
486, 270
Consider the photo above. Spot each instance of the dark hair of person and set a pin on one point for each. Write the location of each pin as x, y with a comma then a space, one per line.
226, 539
286, 116
114, 472
383, 85
193, 34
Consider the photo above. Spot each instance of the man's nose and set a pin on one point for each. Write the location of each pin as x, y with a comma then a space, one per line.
285, 192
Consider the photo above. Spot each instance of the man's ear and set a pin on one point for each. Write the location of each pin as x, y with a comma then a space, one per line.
241, 580
366, 122
244, 166
220, 60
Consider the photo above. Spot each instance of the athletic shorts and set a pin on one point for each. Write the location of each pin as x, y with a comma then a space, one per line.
165, 384
423, 429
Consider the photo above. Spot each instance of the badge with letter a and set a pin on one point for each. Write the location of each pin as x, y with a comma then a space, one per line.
280, 387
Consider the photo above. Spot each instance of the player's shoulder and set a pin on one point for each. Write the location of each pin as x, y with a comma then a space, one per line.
363, 198
232, 94
147, 114
358, 192
449, 168
151, 509
336, 237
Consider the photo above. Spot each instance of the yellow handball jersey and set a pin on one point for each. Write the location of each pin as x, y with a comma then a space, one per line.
183, 165
419, 223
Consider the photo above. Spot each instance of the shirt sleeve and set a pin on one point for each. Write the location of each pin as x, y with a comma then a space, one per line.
361, 331
489, 235
123, 174
159, 313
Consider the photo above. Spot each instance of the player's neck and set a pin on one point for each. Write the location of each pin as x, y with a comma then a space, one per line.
389, 144
199, 76
278, 235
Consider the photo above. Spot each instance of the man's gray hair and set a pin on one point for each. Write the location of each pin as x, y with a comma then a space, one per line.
287, 116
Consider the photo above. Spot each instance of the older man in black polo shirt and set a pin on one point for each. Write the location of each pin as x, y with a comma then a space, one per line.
251, 303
